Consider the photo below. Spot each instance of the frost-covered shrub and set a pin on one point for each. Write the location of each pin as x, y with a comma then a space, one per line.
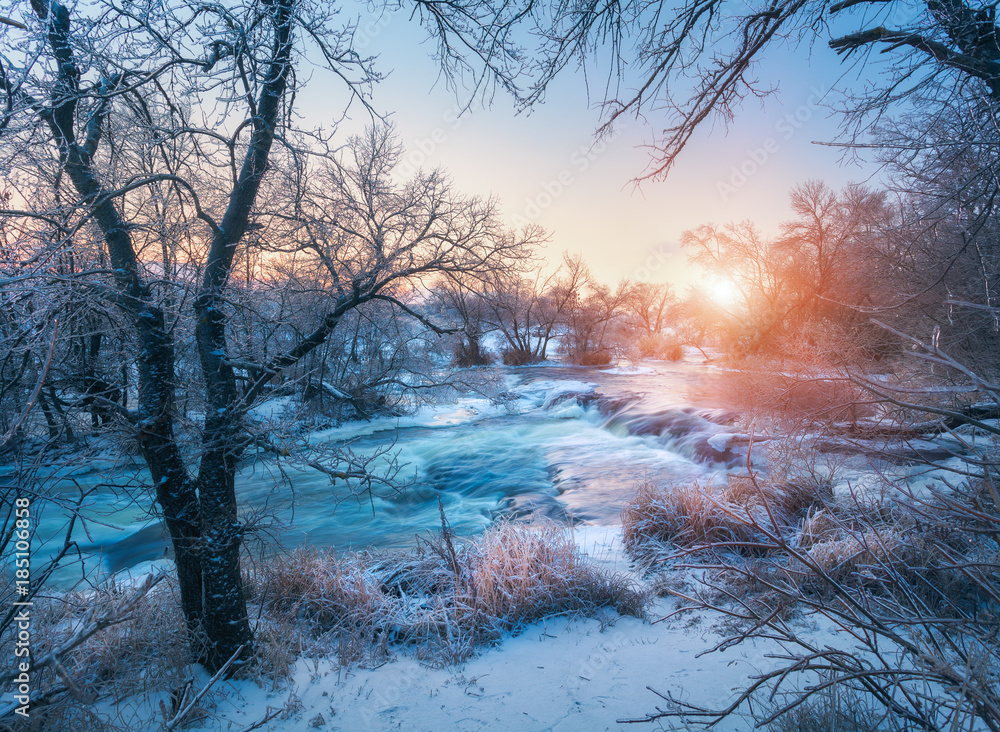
442, 598
735, 517
658, 518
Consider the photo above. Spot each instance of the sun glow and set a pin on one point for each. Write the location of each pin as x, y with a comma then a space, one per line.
723, 291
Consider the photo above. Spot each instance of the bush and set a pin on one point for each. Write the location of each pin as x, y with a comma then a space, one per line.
657, 345
673, 352
442, 599
912, 584
470, 353
660, 519
592, 358
517, 357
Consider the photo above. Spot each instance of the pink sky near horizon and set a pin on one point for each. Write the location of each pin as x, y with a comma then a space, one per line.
547, 169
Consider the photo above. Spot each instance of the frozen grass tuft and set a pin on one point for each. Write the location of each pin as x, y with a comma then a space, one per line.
312, 596
659, 521
442, 599
518, 575
818, 527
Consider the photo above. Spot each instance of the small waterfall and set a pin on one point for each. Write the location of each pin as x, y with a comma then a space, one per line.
693, 432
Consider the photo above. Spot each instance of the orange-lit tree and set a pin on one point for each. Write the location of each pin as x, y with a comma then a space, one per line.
827, 266
590, 322
650, 311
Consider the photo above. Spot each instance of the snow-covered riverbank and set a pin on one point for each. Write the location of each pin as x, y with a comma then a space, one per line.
563, 674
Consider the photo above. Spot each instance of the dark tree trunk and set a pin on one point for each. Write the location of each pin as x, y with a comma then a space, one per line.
175, 492
226, 624
50, 419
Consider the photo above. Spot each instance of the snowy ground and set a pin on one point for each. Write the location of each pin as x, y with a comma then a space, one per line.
559, 674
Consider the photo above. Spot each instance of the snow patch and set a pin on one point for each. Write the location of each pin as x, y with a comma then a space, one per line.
271, 410
720, 441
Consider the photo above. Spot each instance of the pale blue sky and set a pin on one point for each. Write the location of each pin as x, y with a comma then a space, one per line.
544, 169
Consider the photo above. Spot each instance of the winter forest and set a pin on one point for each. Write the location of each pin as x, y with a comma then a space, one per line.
301, 430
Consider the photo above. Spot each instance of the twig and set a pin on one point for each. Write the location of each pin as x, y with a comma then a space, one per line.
179, 717
260, 723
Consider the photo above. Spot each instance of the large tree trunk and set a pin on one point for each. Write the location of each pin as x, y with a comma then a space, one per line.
200, 516
226, 624
175, 491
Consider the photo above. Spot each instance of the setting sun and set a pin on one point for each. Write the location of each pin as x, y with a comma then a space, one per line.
722, 291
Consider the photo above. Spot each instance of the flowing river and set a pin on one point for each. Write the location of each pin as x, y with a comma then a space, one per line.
568, 444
